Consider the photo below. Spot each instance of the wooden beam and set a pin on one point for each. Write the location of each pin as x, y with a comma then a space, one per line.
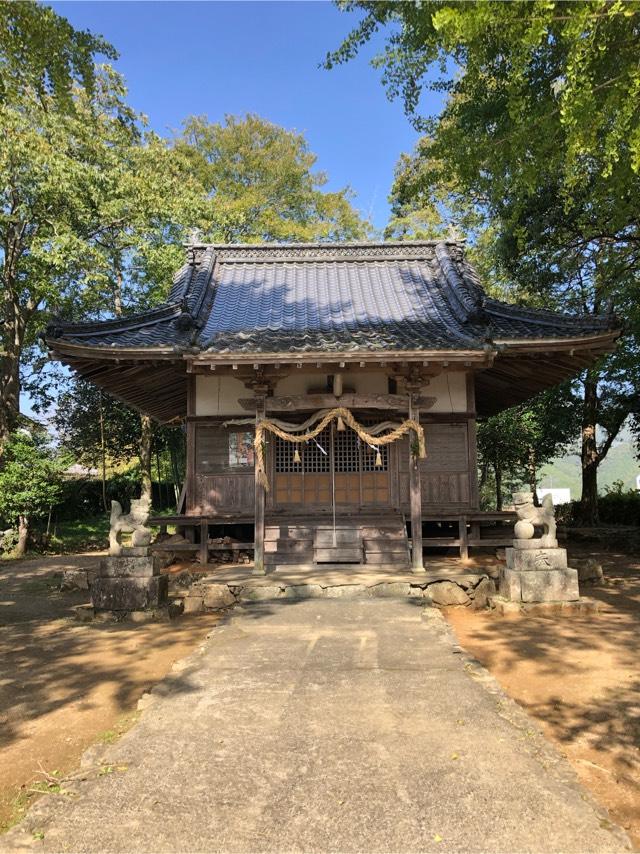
304, 402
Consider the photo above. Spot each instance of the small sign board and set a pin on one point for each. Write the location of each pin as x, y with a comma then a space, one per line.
241, 448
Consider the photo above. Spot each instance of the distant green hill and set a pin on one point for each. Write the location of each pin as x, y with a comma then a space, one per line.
619, 464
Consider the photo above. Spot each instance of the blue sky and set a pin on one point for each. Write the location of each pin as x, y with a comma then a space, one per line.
182, 58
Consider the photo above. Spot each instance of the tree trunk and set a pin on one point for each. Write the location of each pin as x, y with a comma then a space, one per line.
9, 388
484, 474
23, 534
174, 471
590, 458
497, 470
146, 439
14, 321
532, 471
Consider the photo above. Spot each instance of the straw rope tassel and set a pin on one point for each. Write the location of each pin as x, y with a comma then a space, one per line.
333, 414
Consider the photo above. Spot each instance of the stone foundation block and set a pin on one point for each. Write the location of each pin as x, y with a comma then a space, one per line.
304, 591
509, 585
260, 594
552, 585
134, 551
130, 567
128, 594
218, 596
390, 588
346, 591
446, 593
536, 559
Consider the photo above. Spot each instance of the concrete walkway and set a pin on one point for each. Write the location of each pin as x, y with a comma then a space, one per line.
325, 725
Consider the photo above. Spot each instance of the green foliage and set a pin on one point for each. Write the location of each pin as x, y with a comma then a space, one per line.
619, 506
513, 445
89, 423
261, 185
538, 140
41, 51
30, 477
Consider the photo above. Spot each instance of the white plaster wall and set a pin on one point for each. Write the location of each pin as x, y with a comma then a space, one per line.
450, 391
363, 382
219, 396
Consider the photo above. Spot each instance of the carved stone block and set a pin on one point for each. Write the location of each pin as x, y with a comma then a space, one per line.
130, 567
536, 559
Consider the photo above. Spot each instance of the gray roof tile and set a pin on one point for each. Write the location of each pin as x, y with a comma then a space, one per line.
337, 297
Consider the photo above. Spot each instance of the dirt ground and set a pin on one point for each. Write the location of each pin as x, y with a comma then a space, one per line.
579, 677
63, 684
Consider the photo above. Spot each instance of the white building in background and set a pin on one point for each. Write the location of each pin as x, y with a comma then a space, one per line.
559, 496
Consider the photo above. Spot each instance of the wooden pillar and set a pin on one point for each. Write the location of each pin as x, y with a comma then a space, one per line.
474, 495
463, 538
415, 488
204, 541
258, 537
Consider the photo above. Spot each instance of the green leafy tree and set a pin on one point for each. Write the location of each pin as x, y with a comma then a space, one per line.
540, 133
261, 184
40, 51
96, 429
516, 443
30, 481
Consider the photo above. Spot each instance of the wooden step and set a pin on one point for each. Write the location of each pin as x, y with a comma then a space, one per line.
342, 554
273, 558
392, 532
289, 532
384, 545
399, 560
288, 546
335, 538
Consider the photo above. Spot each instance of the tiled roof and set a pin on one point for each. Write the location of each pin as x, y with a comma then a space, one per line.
335, 297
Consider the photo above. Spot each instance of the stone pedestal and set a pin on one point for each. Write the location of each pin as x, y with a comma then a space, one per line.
130, 581
538, 575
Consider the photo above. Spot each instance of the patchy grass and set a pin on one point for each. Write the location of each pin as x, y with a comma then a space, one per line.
86, 535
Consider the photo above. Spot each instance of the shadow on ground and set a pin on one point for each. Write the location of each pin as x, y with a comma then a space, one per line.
578, 675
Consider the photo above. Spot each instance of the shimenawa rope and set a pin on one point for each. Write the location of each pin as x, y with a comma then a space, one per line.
331, 415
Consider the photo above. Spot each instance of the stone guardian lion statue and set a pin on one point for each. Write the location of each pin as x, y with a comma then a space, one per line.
134, 523
529, 515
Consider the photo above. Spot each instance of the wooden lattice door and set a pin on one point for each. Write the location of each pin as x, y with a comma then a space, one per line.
343, 463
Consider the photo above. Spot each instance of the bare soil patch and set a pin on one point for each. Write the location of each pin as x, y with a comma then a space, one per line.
63, 684
578, 676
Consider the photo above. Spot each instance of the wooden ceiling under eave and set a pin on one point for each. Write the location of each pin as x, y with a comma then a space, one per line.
154, 387
516, 376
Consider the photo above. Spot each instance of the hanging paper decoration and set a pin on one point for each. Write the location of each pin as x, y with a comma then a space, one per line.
296, 456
